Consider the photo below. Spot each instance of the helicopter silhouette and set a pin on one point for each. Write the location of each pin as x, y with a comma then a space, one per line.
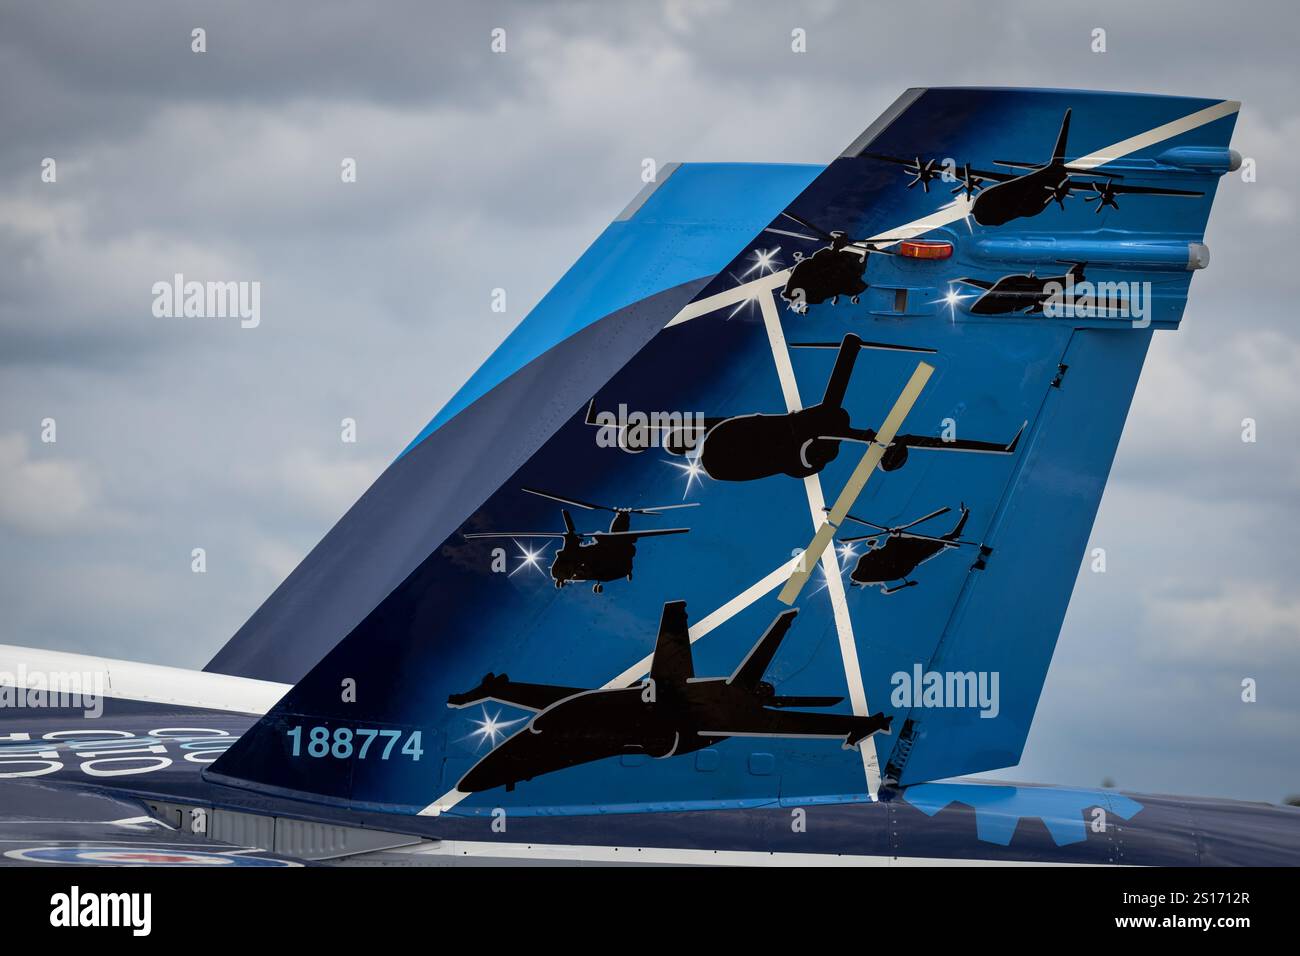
801, 443
596, 556
902, 552
1025, 194
1024, 293
831, 271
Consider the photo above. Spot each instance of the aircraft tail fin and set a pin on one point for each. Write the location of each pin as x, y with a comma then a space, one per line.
672, 662
1058, 151
759, 658
447, 608
960, 526
838, 383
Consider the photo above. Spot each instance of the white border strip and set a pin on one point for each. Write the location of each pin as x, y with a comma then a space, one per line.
829, 559
560, 853
152, 683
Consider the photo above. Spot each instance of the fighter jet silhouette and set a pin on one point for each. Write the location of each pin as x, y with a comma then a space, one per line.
671, 712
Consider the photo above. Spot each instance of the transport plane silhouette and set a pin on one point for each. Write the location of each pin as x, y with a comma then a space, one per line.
1026, 194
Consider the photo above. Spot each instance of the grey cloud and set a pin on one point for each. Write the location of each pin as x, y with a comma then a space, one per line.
478, 171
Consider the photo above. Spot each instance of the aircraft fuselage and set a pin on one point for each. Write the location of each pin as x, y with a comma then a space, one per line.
896, 560
653, 718
1015, 293
607, 559
758, 446
1018, 198
826, 274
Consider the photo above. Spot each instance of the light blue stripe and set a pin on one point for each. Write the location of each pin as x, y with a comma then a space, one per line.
691, 226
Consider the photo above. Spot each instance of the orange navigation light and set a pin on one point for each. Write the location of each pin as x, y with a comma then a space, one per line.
925, 249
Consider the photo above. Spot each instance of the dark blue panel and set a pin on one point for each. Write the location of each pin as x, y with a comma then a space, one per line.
427, 493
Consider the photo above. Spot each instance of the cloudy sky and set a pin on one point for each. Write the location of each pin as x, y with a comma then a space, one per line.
478, 171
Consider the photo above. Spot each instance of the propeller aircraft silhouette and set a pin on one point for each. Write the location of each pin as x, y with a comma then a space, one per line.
1025, 194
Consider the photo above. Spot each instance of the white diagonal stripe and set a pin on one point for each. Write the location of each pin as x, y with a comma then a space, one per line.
720, 300
830, 563
744, 599
765, 585
1152, 136
959, 209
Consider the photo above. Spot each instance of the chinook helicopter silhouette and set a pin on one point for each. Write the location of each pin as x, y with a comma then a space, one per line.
902, 552
831, 271
596, 556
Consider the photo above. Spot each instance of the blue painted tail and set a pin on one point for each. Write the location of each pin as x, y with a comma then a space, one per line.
994, 378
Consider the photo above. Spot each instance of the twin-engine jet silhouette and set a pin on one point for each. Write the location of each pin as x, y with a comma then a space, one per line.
902, 551
802, 443
597, 556
1025, 293
1021, 195
672, 712
831, 271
